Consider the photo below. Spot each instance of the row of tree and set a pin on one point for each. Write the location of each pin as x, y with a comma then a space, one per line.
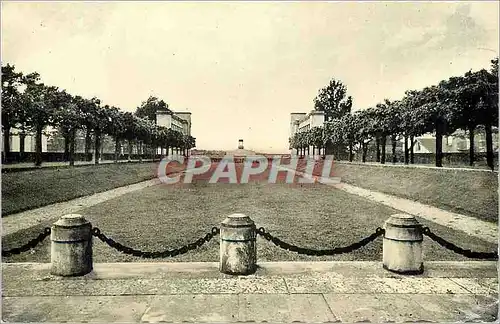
468, 102
31, 106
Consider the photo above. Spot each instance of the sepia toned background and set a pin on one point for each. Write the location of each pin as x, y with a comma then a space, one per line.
242, 68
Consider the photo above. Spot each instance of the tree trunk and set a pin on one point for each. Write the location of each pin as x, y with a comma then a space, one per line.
38, 146
412, 151
365, 151
308, 149
117, 148
72, 144
66, 147
6, 143
394, 143
439, 143
22, 145
139, 150
351, 155
129, 157
88, 138
471, 145
97, 147
383, 144
489, 147
377, 143
406, 149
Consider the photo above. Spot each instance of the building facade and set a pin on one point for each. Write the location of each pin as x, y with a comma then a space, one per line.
179, 121
300, 122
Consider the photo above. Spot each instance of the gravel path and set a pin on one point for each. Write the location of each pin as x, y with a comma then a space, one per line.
17, 222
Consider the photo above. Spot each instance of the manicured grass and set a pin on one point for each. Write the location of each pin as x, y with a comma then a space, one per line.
471, 193
169, 216
31, 189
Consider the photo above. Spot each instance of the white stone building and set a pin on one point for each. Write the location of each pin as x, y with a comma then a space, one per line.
179, 121
29, 141
304, 121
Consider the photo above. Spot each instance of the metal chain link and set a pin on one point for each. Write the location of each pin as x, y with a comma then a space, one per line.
450, 246
340, 250
159, 254
28, 246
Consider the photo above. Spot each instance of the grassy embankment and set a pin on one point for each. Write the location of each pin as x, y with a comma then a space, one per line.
310, 215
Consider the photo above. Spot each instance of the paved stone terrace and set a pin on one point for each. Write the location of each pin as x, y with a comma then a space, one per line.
278, 292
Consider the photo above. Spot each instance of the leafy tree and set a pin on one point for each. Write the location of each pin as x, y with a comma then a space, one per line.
149, 108
69, 119
89, 109
316, 138
41, 104
436, 110
466, 93
143, 130
333, 100
11, 103
67, 110
365, 130
117, 128
102, 124
189, 142
383, 125
334, 136
294, 143
488, 107
394, 122
349, 128
414, 120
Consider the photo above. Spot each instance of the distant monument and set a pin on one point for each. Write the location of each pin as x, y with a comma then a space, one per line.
240, 152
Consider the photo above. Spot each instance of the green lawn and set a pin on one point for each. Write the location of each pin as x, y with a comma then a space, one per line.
31, 189
471, 193
169, 216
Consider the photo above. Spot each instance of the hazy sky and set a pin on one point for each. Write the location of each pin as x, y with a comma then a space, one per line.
242, 68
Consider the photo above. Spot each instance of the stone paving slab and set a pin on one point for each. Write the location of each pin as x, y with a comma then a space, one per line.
159, 270
219, 308
102, 309
192, 308
412, 307
278, 292
312, 284
285, 308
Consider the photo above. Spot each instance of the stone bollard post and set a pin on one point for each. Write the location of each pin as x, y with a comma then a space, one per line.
402, 250
238, 250
71, 246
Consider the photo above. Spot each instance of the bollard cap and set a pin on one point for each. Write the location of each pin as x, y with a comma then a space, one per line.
402, 220
71, 220
238, 220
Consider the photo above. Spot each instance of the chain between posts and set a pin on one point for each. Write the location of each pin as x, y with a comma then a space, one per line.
450, 246
28, 246
262, 232
159, 254
340, 250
